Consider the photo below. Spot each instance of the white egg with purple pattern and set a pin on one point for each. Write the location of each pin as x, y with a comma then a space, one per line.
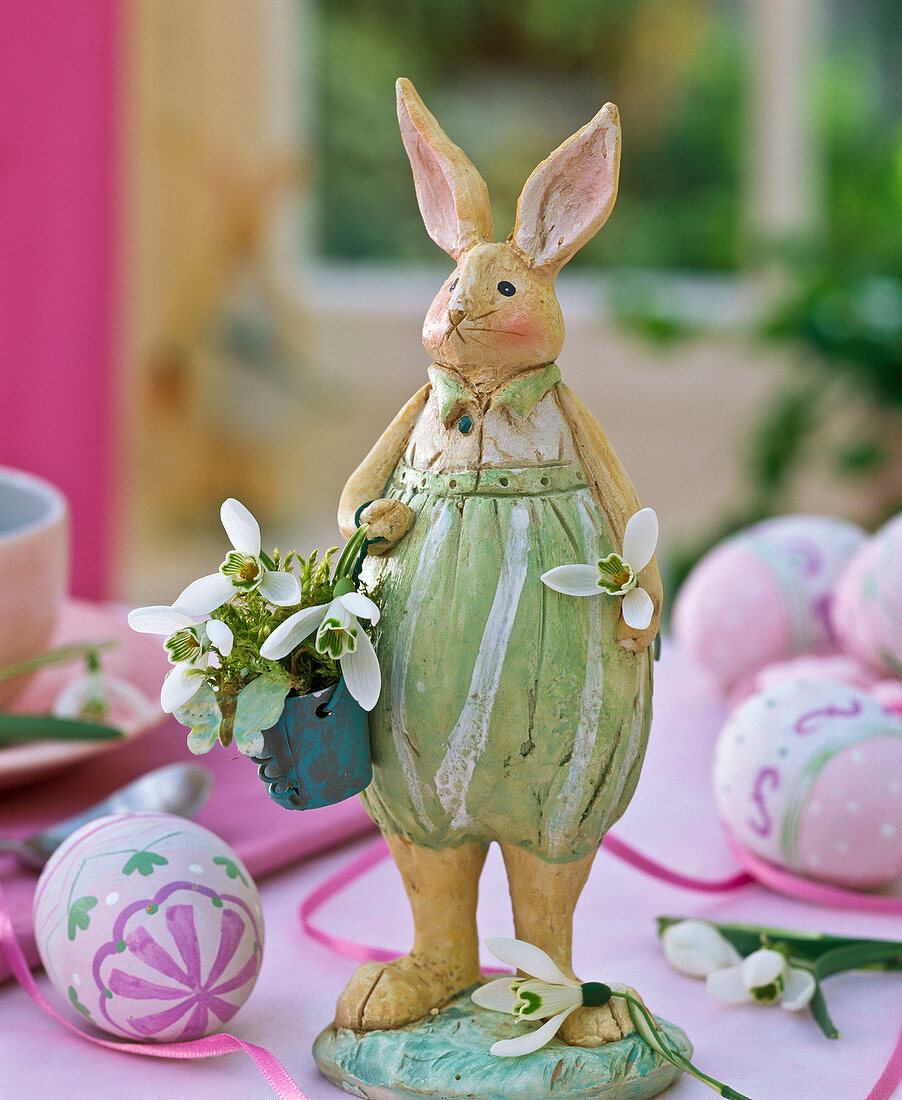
150, 926
808, 775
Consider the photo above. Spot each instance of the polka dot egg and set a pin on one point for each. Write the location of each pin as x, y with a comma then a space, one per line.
808, 775
867, 603
764, 595
149, 926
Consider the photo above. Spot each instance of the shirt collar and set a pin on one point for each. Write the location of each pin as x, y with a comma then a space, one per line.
520, 395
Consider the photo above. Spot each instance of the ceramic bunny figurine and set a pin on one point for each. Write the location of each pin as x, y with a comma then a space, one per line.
509, 712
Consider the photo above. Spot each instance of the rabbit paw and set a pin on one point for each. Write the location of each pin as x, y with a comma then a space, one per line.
388, 995
593, 1027
388, 521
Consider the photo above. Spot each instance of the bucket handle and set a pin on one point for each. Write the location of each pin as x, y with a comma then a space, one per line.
324, 710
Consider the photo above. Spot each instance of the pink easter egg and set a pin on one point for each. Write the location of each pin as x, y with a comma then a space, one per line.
808, 775
867, 602
149, 926
763, 595
850, 832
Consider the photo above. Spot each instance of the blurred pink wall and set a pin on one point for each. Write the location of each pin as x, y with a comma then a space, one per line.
58, 340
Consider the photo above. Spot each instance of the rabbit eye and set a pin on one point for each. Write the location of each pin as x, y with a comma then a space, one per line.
507, 289
453, 285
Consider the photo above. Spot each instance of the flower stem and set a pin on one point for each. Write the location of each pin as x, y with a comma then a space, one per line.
59, 655
647, 1028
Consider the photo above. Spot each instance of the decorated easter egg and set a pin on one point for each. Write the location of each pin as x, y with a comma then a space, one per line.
867, 602
150, 926
763, 595
808, 775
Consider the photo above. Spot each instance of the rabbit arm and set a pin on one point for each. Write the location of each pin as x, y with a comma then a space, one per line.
369, 479
615, 496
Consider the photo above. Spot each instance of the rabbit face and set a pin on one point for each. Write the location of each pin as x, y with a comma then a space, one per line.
494, 312
497, 314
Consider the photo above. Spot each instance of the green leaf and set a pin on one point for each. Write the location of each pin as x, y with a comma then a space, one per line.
78, 914
819, 1011
202, 716
16, 729
144, 863
259, 706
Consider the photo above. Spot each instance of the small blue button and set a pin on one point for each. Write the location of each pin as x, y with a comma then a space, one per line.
464, 424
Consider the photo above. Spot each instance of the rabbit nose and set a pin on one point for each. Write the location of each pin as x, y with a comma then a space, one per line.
456, 315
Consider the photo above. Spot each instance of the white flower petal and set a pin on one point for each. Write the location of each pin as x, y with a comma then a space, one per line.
361, 671
530, 959
762, 967
241, 527
293, 631
637, 609
727, 984
180, 685
696, 948
497, 995
360, 606
554, 997
282, 589
220, 636
159, 620
573, 580
205, 595
640, 538
532, 1040
799, 990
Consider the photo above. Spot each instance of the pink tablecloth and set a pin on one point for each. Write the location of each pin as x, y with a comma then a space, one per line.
765, 1052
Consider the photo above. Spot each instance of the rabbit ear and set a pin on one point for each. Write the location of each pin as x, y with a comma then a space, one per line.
453, 197
569, 196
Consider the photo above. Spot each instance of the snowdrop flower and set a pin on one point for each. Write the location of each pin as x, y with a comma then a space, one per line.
99, 697
616, 575
696, 948
547, 995
242, 571
191, 645
338, 635
766, 978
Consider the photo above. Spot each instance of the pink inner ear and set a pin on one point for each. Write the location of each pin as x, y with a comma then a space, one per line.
433, 189
569, 197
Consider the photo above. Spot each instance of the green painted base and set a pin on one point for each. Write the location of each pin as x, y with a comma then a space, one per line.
447, 1057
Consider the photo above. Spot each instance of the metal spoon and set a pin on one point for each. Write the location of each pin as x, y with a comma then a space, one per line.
174, 789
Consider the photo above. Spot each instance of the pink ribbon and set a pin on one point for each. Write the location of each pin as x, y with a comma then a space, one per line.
803, 889
210, 1046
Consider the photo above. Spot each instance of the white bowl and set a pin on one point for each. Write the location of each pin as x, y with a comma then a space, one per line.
34, 568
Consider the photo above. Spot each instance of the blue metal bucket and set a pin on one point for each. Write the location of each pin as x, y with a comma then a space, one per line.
318, 752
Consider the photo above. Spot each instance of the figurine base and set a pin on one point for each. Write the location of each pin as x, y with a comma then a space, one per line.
446, 1057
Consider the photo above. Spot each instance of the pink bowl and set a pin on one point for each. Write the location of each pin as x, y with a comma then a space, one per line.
34, 565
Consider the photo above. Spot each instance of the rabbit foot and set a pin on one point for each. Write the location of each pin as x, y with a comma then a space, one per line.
388, 995
593, 1027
